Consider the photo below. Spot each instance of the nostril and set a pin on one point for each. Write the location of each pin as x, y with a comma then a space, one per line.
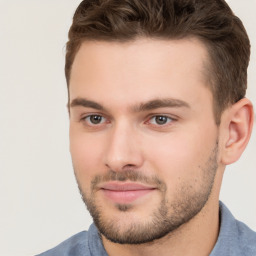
129, 165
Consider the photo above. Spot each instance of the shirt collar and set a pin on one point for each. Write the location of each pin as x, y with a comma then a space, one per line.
227, 243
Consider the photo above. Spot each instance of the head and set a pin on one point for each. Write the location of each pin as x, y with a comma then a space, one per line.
156, 101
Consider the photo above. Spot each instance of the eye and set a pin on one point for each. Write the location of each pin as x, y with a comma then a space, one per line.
94, 119
160, 120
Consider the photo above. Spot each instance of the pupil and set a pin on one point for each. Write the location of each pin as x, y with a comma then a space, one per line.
95, 119
161, 119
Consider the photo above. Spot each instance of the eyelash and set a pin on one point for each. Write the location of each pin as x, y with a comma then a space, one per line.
168, 120
88, 122
87, 118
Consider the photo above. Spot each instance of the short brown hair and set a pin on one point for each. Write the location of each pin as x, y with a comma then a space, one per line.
211, 21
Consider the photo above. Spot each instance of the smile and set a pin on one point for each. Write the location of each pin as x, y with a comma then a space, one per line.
124, 193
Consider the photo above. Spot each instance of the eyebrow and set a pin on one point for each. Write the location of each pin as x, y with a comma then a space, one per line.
160, 103
149, 105
82, 102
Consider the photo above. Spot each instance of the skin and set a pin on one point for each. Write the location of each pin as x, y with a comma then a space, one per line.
187, 154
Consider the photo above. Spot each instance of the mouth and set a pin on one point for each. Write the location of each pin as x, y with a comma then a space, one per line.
125, 193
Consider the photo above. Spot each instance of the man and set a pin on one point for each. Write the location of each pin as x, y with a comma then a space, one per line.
157, 110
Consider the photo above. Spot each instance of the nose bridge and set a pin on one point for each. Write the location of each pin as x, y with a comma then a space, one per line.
123, 148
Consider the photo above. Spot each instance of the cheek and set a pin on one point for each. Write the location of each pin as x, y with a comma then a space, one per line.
86, 156
180, 156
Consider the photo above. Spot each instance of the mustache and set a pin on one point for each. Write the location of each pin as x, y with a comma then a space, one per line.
128, 175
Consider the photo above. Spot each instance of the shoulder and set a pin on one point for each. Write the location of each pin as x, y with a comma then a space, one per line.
75, 245
235, 238
85, 243
246, 238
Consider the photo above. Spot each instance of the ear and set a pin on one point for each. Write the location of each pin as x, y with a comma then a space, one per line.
237, 124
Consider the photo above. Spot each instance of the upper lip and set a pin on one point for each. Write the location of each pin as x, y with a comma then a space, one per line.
127, 186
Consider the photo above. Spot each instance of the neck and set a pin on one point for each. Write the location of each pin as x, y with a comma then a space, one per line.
194, 238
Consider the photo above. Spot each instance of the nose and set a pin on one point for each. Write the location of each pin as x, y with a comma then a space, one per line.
123, 149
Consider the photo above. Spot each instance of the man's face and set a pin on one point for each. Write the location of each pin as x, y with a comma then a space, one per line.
143, 138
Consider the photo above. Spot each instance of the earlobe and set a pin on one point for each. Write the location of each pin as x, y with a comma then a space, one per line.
239, 122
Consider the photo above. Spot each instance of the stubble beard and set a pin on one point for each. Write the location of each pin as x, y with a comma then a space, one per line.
166, 218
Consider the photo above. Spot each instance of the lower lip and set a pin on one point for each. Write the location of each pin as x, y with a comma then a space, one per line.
127, 196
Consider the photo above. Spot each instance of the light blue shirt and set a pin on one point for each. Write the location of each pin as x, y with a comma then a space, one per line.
235, 239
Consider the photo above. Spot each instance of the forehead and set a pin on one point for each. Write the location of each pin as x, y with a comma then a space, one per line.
138, 70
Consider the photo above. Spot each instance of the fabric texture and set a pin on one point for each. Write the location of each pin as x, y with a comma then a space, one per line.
235, 239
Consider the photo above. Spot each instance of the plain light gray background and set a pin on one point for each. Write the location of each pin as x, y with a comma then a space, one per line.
39, 199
